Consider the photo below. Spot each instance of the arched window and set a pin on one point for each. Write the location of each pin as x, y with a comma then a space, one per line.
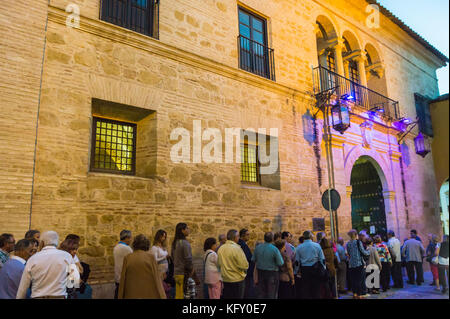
331, 62
353, 71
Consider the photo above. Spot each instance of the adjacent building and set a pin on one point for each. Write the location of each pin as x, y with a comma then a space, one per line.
439, 112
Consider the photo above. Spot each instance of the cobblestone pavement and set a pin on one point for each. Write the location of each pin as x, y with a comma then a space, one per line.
425, 291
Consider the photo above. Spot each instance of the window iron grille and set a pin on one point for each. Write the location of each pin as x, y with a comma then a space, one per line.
138, 15
256, 58
250, 164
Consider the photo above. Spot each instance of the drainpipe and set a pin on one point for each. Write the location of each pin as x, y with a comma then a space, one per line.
331, 181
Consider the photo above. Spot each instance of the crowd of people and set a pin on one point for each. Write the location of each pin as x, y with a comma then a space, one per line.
41, 267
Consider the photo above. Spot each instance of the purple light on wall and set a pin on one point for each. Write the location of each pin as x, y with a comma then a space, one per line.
402, 124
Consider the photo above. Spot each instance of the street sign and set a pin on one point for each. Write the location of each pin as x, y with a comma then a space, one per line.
335, 200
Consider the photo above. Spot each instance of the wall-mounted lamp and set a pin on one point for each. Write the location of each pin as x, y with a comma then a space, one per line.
340, 115
421, 142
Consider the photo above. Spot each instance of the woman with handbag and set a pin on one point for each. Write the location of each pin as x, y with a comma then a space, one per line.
182, 259
213, 279
432, 258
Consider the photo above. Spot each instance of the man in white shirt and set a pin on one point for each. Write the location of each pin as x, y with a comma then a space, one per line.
46, 271
395, 249
121, 250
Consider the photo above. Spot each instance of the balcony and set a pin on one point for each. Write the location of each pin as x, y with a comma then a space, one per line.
138, 15
363, 97
256, 58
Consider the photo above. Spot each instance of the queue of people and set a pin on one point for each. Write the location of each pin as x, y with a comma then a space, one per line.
41, 267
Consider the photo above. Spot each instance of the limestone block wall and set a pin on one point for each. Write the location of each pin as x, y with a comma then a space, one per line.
80, 66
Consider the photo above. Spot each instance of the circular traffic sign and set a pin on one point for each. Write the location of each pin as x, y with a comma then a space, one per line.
335, 199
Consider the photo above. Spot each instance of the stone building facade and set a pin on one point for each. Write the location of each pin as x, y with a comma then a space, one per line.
58, 76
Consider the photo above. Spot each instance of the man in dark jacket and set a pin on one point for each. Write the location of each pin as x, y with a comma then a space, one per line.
244, 237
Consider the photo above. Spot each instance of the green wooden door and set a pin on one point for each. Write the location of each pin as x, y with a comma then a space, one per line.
368, 211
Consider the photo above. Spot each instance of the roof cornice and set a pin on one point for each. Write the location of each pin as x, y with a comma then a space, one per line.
388, 14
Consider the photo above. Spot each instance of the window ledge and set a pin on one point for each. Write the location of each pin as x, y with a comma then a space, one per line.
257, 187
100, 174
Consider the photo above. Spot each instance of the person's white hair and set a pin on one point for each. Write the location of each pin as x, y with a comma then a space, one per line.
50, 238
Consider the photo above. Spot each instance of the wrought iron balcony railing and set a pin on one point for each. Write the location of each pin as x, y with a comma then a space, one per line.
363, 97
138, 15
256, 58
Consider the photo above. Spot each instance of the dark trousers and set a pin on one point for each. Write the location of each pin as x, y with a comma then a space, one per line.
116, 291
443, 271
342, 275
357, 277
414, 266
332, 285
249, 292
286, 290
397, 276
349, 283
363, 282
268, 282
328, 289
385, 276
234, 290
310, 285
298, 287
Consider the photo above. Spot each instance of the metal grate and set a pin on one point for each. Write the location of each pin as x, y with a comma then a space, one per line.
113, 146
138, 15
250, 164
331, 62
354, 73
325, 79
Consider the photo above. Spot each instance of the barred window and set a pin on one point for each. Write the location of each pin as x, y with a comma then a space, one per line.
331, 62
138, 15
424, 114
250, 164
113, 146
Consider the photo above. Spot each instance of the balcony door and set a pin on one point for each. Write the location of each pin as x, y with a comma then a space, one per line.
253, 43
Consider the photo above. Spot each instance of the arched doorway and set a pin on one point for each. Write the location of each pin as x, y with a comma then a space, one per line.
368, 209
